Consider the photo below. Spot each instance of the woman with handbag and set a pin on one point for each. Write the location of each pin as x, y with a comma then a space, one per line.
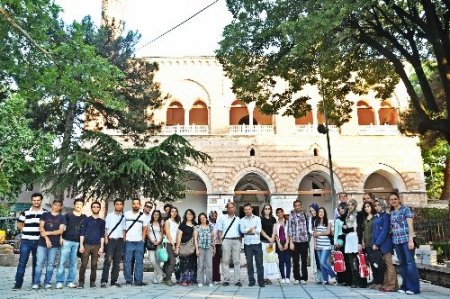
374, 256
154, 240
351, 243
171, 230
187, 249
345, 277
382, 242
206, 250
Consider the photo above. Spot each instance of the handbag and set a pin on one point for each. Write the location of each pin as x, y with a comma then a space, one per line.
363, 270
161, 253
339, 262
187, 249
148, 243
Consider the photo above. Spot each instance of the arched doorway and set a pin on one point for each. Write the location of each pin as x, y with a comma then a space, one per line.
198, 115
238, 111
316, 187
365, 114
251, 188
196, 198
175, 114
261, 118
379, 185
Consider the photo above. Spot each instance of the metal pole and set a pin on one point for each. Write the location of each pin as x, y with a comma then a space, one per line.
330, 161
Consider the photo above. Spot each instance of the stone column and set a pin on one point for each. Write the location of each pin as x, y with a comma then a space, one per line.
186, 117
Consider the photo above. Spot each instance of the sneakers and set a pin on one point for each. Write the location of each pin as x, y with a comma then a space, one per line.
116, 284
168, 282
48, 286
303, 282
287, 281
59, 285
409, 293
402, 291
16, 288
72, 285
239, 284
35, 287
333, 281
80, 286
296, 281
210, 285
155, 281
225, 283
92, 285
103, 285
200, 285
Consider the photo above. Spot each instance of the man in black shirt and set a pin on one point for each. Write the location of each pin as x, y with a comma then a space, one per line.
92, 238
71, 243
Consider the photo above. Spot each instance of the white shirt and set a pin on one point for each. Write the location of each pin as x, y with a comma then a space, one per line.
111, 220
135, 233
223, 224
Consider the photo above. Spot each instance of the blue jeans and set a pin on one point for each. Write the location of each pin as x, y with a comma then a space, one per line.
68, 253
325, 266
45, 256
136, 250
26, 247
284, 258
408, 269
250, 251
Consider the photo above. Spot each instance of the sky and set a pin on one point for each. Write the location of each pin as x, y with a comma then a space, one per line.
199, 36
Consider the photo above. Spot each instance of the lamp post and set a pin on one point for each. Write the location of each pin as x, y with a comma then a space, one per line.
323, 129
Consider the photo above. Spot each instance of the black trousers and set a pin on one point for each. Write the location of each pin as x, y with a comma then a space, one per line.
114, 251
300, 252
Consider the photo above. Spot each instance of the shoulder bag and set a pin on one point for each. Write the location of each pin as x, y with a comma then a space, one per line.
148, 243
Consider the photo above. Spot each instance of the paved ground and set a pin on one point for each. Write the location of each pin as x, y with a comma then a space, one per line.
311, 290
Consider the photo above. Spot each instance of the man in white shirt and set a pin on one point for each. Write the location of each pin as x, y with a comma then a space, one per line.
135, 232
250, 226
114, 238
229, 234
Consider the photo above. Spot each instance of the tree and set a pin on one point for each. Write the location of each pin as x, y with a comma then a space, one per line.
24, 153
83, 73
436, 164
347, 46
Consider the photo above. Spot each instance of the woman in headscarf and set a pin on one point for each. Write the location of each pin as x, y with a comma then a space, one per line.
382, 241
343, 278
313, 209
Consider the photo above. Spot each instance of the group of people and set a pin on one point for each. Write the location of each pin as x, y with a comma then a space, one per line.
199, 250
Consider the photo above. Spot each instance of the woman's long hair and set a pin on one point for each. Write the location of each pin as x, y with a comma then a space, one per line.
178, 218
152, 219
325, 218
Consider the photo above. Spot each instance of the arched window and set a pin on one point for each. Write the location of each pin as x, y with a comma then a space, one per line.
305, 120
198, 115
365, 114
238, 111
262, 119
175, 114
387, 114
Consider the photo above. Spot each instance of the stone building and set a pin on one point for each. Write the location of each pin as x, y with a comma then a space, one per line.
261, 158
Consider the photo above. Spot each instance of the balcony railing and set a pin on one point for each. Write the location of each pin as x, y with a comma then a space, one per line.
185, 130
311, 129
378, 130
251, 129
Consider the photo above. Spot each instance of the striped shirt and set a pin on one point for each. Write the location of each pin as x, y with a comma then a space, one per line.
323, 242
30, 220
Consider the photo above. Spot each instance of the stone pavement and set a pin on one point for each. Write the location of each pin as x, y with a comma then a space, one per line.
310, 290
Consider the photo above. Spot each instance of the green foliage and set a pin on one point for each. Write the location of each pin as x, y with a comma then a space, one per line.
24, 153
105, 168
343, 47
434, 163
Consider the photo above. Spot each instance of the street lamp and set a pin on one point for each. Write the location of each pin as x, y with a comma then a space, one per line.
324, 129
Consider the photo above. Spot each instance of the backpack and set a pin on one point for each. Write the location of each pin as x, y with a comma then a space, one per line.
339, 262
363, 270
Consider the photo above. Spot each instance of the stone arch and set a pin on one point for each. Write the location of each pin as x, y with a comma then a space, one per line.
398, 181
187, 91
267, 174
306, 167
206, 176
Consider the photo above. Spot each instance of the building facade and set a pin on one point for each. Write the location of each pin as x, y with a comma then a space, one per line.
276, 159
